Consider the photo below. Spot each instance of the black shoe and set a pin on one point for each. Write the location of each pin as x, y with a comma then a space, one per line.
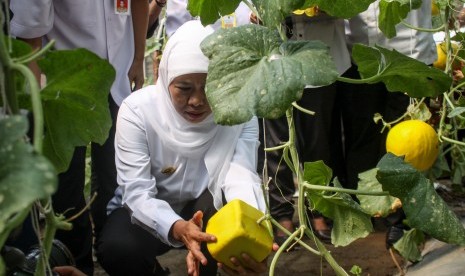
393, 234
323, 235
159, 270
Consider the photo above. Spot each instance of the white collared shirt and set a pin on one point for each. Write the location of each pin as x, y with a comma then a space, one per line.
90, 24
415, 44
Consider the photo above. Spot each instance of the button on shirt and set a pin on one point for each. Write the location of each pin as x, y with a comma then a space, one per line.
90, 24
413, 43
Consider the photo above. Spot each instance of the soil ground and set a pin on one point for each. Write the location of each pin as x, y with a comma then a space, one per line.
370, 253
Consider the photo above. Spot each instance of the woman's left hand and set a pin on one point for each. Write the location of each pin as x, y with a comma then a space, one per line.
251, 267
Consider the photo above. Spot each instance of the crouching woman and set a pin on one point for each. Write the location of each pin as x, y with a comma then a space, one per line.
176, 167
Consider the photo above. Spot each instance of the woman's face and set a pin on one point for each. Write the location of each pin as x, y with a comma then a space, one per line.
188, 96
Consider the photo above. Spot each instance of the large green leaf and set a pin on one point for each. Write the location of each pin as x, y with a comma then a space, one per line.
273, 12
409, 245
211, 10
392, 12
253, 72
343, 8
376, 206
350, 222
25, 176
399, 72
424, 208
75, 102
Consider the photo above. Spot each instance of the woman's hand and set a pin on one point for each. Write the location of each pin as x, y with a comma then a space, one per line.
68, 271
190, 233
250, 267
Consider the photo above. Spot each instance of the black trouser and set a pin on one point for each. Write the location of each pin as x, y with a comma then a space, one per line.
314, 142
364, 144
103, 176
69, 198
125, 248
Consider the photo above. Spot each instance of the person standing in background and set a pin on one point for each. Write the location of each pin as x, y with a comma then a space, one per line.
358, 103
364, 144
314, 132
116, 36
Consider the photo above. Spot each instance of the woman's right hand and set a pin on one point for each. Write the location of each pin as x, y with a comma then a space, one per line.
190, 233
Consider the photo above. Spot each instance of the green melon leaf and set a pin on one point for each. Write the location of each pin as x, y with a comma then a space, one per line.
25, 176
253, 72
392, 12
424, 208
273, 12
350, 222
409, 245
342, 8
211, 10
399, 72
75, 102
376, 206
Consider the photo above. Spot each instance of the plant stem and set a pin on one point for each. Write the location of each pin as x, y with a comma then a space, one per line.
444, 138
8, 91
373, 79
293, 237
342, 190
35, 54
327, 255
306, 111
278, 147
438, 29
36, 104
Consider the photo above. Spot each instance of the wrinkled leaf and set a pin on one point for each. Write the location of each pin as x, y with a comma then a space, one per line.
409, 245
253, 72
392, 12
273, 12
456, 112
399, 72
350, 222
343, 8
419, 112
317, 173
211, 10
424, 208
75, 102
25, 176
376, 206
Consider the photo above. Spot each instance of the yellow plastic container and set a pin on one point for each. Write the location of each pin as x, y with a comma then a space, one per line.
237, 231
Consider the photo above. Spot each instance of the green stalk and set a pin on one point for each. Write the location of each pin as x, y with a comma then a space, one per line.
342, 190
327, 255
438, 29
372, 79
35, 54
9, 92
36, 104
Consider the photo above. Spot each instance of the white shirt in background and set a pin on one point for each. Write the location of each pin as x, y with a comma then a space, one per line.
415, 44
90, 24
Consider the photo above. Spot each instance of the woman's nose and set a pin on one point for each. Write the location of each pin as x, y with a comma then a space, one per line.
198, 98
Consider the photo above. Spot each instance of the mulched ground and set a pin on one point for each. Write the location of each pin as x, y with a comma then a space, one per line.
370, 253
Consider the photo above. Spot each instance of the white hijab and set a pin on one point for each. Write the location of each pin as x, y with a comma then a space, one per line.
182, 55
